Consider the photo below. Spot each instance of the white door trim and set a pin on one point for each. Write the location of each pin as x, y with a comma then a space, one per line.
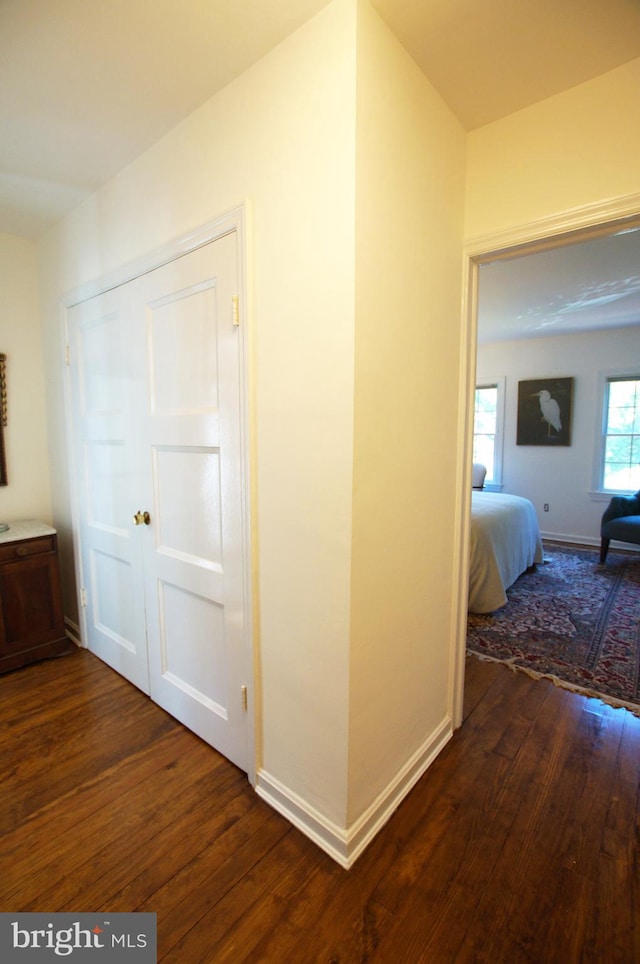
234, 220
575, 224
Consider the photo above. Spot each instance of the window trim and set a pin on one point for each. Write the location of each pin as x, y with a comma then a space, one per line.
500, 382
598, 492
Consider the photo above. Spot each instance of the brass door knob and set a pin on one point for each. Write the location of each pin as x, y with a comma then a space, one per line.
142, 518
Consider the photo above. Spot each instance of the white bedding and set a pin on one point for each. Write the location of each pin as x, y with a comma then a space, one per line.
505, 541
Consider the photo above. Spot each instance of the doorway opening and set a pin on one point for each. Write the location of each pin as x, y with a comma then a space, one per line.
614, 220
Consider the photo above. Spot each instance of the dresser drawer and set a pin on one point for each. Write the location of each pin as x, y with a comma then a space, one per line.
11, 551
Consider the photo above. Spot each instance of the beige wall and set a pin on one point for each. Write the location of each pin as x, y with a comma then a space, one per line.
27, 496
353, 169
281, 137
569, 151
285, 136
410, 183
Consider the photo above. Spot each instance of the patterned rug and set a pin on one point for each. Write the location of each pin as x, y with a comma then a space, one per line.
573, 621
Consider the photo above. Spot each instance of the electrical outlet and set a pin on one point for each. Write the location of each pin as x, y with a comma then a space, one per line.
546, 507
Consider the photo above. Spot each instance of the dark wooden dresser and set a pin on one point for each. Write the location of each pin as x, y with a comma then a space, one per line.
31, 617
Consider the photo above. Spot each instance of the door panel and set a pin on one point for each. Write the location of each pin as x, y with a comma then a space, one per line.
198, 670
193, 436
108, 472
180, 386
179, 472
186, 383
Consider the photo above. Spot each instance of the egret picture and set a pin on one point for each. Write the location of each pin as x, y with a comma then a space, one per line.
544, 412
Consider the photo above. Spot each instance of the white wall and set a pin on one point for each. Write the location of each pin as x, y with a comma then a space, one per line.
410, 184
561, 477
333, 669
282, 137
564, 160
578, 148
354, 414
27, 496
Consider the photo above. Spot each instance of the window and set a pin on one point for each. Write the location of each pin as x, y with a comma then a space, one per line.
487, 428
620, 462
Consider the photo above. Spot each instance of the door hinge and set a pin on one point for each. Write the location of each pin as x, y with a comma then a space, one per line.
67, 355
235, 308
244, 697
83, 597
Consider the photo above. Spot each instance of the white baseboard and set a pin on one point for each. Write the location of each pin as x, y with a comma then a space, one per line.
72, 630
587, 541
326, 834
571, 539
345, 845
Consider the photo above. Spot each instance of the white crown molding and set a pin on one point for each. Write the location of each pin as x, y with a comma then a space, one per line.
345, 845
600, 217
233, 220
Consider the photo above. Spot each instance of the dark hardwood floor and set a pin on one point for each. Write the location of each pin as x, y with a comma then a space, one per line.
519, 844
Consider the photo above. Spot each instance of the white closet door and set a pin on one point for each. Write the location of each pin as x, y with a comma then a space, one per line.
107, 394
184, 437
193, 548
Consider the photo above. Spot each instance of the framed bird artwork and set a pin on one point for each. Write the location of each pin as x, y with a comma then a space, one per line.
544, 412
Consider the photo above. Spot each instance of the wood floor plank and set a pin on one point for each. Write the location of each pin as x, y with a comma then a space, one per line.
109, 721
613, 923
65, 812
86, 873
423, 825
519, 844
549, 784
202, 884
478, 681
594, 758
251, 920
138, 881
46, 783
134, 816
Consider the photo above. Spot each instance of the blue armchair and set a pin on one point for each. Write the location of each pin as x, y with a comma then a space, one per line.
621, 520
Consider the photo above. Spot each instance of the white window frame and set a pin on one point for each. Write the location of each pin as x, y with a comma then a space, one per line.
598, 492
495, 484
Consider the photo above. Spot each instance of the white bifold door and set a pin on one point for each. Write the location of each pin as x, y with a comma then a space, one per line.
156, 386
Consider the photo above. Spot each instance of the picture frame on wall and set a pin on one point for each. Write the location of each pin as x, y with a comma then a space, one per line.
544, 412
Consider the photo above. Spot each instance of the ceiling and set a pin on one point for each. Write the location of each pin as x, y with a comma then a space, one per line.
491, 58
584, 286
88, 85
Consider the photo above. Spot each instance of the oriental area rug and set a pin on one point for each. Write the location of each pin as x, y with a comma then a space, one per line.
573, 621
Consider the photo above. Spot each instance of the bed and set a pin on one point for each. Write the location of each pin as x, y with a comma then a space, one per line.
505, 541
